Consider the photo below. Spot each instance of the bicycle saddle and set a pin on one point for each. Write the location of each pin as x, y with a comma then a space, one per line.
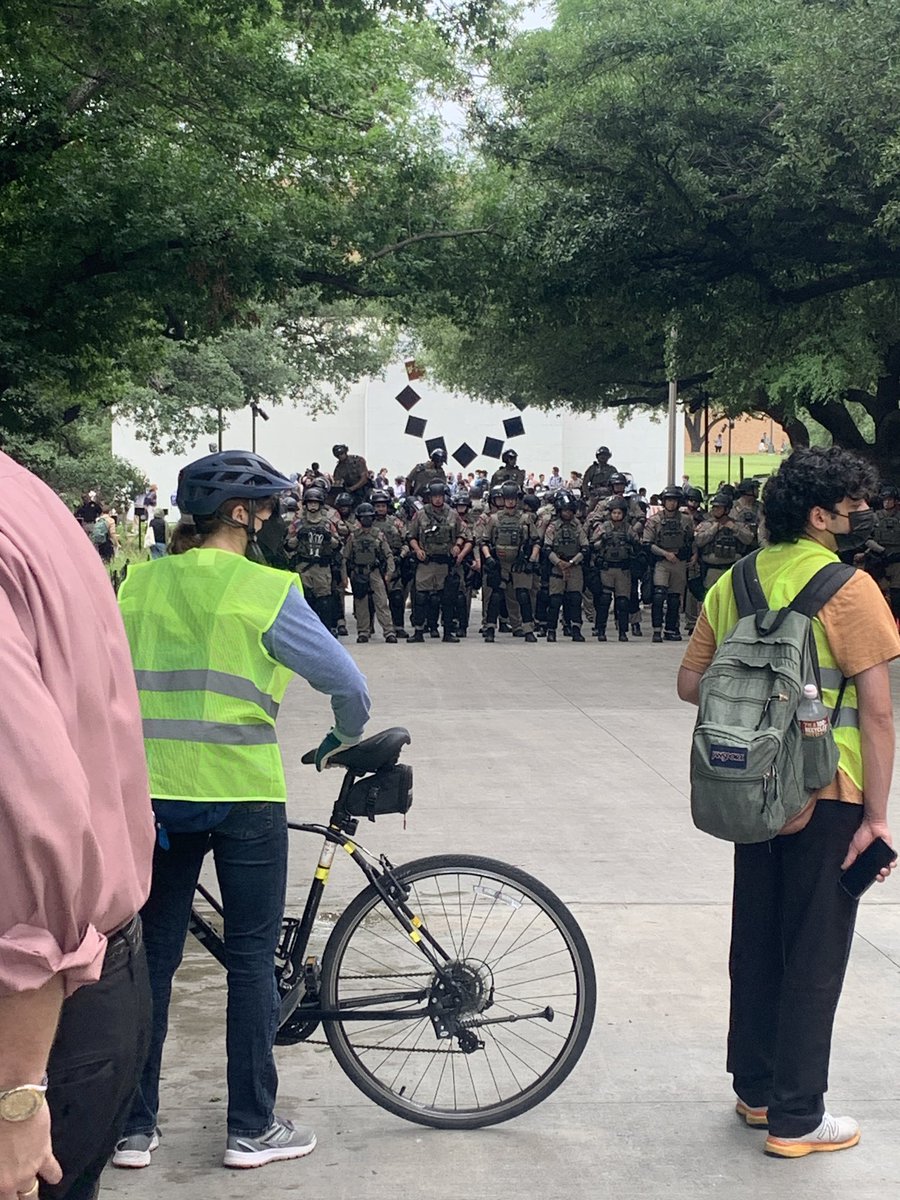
381, 750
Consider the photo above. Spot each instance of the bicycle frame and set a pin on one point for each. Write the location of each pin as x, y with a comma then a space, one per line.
292, 977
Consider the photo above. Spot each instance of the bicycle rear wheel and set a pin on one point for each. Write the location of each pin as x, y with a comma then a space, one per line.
524, 986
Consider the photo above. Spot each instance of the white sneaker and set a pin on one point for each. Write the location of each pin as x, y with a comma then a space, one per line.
135, 1151
280, 1142
833, 1133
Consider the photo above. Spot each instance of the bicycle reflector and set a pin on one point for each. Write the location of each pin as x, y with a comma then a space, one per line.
386, 791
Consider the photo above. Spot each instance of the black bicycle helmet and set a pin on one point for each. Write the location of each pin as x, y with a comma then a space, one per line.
205, 485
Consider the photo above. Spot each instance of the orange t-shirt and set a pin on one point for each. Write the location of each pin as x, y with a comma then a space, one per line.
861, 633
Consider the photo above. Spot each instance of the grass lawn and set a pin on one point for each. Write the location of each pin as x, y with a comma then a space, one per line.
754, 464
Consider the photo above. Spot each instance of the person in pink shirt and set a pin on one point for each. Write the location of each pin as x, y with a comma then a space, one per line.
76, 845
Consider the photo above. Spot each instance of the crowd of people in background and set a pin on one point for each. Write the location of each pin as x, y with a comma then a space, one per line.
541, 550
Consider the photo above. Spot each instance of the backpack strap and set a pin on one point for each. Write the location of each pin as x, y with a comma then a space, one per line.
826, 582
748, 593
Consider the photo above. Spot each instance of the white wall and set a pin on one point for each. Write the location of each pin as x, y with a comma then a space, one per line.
371, 422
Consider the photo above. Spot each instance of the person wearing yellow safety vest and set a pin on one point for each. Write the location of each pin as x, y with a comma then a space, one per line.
792, 923
215, 638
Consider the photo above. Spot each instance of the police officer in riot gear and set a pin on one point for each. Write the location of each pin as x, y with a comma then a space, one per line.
614, 548
747, 510
597, 480
469, 570
510, 471
567, 548
367, 560
885, 546
670, 538
350, 473
436, 539
394, 532
510, 549
720, 540
425, 473
314, 546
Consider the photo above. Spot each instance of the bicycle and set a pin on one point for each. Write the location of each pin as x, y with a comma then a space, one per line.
455, 991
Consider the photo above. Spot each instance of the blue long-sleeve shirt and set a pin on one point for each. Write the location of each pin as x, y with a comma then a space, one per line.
299, 641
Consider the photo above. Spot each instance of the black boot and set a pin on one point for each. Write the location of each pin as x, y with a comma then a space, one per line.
489, 634
577, 635
673, 608
418, 636
657, 635
636, 630
601, 633
529, 637
551, 635
622, 617
449, 637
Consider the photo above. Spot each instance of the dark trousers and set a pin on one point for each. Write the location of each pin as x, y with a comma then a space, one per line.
792, 925
102, 1039
250, 852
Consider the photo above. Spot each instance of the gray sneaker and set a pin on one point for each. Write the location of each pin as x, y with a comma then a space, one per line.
135, 1151
281, 1142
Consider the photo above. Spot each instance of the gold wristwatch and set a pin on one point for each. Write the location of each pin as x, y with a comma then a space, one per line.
21, 1103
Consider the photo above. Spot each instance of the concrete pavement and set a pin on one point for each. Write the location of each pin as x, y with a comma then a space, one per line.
570, 761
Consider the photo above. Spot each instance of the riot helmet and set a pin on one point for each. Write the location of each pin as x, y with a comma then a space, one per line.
436, 490
313, 495
509, 456
344, 501
747, 487
438, 455
365, 514
339, 450
671, 493
618, 480
531, 503
603, 452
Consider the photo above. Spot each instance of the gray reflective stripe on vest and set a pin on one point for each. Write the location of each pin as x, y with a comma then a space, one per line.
831, 678
219, 682
847, 718
209, 731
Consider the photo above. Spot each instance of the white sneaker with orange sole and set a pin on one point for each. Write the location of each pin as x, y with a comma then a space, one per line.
833, 1133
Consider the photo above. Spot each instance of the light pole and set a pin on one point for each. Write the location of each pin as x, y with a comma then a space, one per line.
257, 412
730, 427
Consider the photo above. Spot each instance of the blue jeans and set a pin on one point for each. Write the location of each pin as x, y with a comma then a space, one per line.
250, 851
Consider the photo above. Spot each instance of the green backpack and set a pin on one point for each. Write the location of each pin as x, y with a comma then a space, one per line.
751, 769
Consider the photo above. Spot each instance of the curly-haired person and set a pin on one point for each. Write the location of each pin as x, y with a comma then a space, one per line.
792, 924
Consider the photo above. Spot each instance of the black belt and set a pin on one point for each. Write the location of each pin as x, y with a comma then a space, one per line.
122, 944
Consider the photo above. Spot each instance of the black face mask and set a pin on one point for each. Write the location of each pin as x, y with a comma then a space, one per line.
862, 526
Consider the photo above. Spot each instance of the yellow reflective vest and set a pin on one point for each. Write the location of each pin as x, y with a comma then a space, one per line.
784, 570
209, 690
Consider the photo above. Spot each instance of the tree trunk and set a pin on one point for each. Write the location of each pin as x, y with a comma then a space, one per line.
693, 423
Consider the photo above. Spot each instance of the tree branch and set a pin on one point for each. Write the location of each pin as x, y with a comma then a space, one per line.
434, 235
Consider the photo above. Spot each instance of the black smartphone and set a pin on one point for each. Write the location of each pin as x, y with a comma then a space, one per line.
860, 877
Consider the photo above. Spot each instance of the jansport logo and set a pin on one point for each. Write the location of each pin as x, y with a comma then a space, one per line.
734, 757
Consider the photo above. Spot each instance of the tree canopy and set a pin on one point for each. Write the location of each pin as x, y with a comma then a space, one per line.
176, 170
699, 188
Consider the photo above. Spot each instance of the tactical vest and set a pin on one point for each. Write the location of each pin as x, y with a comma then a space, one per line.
315, 543
209, 691
566, 543
364, 553
615, 546
887, 531
600, 477
437, 535
670, 533
392, 533
723, 549
509, 535
784, 570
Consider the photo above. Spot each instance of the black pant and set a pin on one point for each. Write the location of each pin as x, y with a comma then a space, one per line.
792, 925
95, 1063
